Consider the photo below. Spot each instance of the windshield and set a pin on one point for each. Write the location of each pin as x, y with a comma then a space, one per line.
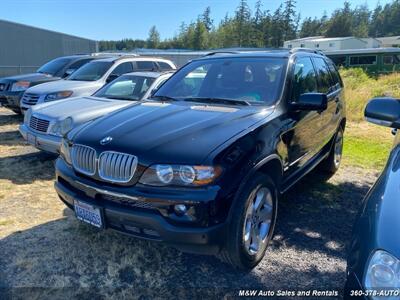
250, 80
91, 72
54, 66
128, 87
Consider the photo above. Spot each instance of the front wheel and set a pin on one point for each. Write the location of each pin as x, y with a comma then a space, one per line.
252, 223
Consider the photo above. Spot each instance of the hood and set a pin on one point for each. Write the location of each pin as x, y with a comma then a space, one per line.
32, 77
80, 108
65, 85
177, 132
385, 206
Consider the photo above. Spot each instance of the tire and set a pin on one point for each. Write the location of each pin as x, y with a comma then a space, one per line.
332, 163
240, 250
17, 111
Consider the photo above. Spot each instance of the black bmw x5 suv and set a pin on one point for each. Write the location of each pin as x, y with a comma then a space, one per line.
202, 163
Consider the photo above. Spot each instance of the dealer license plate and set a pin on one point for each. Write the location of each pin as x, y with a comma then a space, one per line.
88, 213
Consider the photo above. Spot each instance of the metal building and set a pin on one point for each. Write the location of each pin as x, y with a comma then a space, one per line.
24, 48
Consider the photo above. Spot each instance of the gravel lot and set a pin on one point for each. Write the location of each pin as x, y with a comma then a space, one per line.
47, 253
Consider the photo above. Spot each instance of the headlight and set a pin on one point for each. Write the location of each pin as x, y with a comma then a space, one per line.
65, 151
20, 86
61, 128
383, 275
27, 116
66, 125
162, 175
58, 95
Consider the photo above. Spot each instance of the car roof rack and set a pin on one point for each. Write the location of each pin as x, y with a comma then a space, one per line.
114, 54
308, 50
221, 52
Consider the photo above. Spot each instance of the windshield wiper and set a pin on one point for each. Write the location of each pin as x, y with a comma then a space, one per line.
218, 100
164, 98
120, 98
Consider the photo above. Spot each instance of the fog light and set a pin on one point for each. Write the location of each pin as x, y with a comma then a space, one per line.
180, 209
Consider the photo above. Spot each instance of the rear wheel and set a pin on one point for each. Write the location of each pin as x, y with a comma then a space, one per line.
332, 163
252, 225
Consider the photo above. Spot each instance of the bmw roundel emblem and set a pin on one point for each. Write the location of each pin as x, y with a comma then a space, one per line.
106, 140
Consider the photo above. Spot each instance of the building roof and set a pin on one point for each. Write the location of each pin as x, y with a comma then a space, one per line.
363, 51
42, 29
305, 39
389, 39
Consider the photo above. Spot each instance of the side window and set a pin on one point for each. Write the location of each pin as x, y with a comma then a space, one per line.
145, 65
304, 78
76, 65
123, 68
324, 76
335, 74
164, 66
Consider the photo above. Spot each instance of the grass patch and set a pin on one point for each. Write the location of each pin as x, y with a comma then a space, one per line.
368, 153
360, 88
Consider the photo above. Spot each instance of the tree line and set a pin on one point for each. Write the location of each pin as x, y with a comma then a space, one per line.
259, 27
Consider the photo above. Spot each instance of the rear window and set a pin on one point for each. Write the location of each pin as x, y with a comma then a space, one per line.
164, 66
54, 66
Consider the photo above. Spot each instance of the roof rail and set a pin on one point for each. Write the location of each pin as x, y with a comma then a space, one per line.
113, 54
221, 52
308, 50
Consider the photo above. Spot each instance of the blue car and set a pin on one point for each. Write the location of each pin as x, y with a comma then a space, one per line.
373, 267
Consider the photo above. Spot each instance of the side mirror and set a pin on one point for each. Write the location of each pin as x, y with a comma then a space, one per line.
384, 111
112, 77
153, 91
68, 72
310, 102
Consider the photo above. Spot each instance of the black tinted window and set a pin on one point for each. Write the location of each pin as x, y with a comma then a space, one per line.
304, 79
145, 65
334, 73
123, 68
363, 60
247, 79
324, 76
164, 66
76, 65
339, 60
391, 59
54, 66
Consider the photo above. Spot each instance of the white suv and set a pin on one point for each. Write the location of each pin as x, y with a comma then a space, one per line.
91, 77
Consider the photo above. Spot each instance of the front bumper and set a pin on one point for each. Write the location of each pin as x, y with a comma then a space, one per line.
142, 223
42, 141
11, 100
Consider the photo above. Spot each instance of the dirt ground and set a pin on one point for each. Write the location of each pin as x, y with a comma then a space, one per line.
46, 253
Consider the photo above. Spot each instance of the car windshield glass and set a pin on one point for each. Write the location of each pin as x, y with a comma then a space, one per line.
54, 66
251, 80
92, 71
127, 87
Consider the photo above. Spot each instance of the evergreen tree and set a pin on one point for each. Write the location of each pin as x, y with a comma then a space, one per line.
206, 19
153, 40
